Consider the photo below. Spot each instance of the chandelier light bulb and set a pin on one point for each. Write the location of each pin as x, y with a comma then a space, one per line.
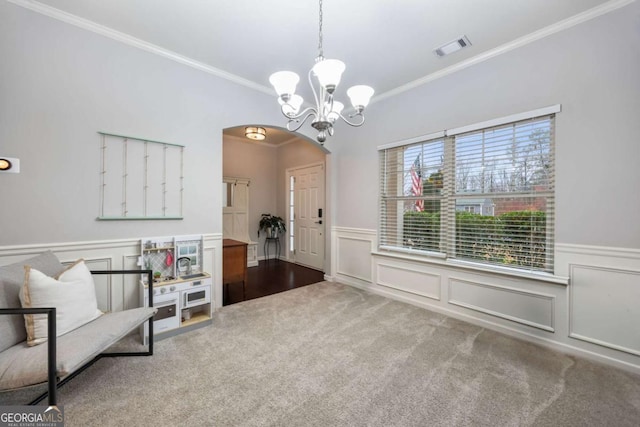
360, 96
284, 82
329, 72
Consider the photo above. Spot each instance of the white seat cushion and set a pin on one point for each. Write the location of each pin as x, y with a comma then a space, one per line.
22, 366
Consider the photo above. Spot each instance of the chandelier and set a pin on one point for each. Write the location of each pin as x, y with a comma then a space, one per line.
326, 73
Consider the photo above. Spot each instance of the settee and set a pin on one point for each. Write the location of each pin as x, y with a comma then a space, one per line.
27, 359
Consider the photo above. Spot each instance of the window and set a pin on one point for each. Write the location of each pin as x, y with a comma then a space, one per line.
483, 193
411, 182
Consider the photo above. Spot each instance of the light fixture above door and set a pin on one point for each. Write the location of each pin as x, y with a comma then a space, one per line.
327, 73
255, 132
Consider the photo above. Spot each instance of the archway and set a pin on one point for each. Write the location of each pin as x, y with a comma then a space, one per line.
267, 165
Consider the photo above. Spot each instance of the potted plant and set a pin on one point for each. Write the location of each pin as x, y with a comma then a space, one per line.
272, 225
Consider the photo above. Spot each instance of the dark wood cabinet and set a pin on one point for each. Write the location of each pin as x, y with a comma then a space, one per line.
234, 263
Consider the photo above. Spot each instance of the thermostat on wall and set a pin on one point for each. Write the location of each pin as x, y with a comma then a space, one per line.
9, 165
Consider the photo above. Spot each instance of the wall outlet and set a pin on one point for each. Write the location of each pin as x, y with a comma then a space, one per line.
9, 165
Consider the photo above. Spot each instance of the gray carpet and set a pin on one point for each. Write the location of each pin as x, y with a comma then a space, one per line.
332, 355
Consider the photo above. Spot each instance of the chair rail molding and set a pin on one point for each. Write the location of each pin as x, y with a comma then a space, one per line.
613, 257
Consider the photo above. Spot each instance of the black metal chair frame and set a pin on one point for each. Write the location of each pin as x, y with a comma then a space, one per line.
52, 379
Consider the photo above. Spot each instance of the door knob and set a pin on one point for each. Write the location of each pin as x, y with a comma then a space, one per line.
319, 222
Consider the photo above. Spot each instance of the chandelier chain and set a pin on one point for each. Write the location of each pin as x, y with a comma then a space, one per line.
320, 53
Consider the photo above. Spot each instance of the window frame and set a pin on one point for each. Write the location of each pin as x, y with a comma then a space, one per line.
448, 209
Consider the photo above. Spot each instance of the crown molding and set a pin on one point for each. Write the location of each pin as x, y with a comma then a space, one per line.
507, 47
168, 54
135, 42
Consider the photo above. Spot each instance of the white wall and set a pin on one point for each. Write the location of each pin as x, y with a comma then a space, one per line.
592, 70
60, 85
588, 69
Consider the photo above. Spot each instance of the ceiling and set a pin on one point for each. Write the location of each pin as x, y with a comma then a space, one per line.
387, 45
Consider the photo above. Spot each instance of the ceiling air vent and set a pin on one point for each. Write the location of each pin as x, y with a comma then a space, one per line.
452, 46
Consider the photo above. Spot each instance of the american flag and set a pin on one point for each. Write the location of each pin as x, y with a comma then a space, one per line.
416, 183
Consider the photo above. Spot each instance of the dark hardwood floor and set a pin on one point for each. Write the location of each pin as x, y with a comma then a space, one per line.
271, 277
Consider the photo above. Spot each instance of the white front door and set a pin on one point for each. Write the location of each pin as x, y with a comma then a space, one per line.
308, 216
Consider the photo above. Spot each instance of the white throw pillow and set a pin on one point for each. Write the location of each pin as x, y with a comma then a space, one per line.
73, 295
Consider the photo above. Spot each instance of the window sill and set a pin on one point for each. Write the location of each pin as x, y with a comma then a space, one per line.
468, 265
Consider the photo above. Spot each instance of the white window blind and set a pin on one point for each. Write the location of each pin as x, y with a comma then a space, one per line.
485, 195
503, 194
411, 183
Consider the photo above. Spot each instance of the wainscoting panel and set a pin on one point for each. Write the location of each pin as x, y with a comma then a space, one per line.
352, 253
117, 292
527, 308
104, 284
212, 263
605, 307
408, 279
603, 299
131, 285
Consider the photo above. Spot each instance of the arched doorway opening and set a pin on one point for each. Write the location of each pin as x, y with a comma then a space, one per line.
286, 176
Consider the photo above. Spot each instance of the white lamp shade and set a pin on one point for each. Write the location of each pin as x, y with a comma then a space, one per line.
335, 111
284, 82
360, 95
293, 105
329, 72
